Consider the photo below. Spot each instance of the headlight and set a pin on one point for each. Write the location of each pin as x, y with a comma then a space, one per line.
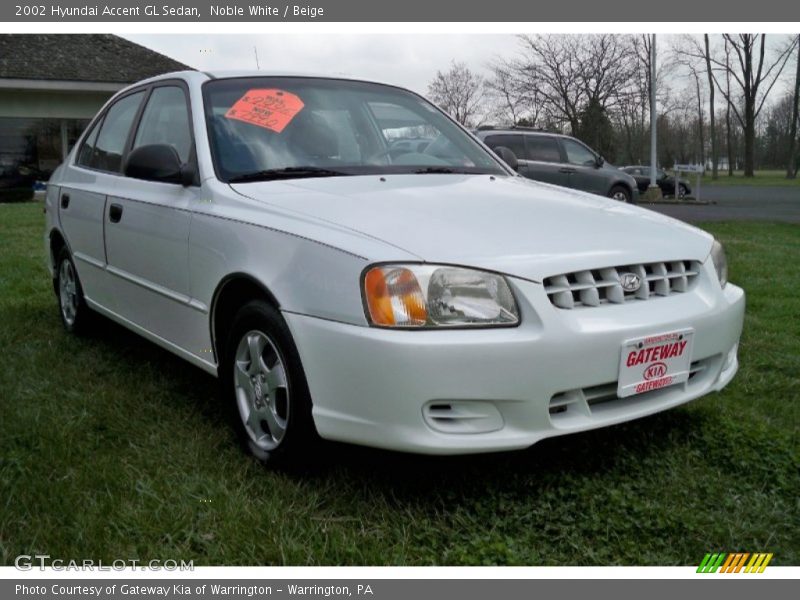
416, 296
720, 262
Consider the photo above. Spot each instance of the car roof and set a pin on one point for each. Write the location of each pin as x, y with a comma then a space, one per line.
511, 130
192, 76
233, 73
230, 74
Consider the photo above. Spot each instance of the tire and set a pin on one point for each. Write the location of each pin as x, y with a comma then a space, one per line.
682, 192
265, 390
620, 192
75, 314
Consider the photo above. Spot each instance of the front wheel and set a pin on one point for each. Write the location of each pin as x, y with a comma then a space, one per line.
265, 388
621, 193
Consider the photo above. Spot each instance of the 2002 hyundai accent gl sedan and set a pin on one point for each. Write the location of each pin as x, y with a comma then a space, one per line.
418, 297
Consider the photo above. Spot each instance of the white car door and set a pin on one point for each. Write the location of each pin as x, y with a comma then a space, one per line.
147, 230
82, 196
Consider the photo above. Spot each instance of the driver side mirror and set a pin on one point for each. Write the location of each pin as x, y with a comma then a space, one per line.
600, 162
159, 162
507, 155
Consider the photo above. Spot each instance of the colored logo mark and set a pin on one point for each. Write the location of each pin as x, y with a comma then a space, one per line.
735, 562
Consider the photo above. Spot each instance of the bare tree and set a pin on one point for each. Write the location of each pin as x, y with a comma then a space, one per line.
503, 92
677, 141
728, 104
633, 104
774, 132
607, 68
754, 76
634, 101
572, 71
791, 165
701, 145
712, 125
513, 99
550, 62
459, 92
691, 53
689, 56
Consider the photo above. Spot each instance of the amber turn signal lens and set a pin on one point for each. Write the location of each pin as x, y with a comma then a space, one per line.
394, 297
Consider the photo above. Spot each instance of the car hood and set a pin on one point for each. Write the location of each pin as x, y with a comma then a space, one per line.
507, 224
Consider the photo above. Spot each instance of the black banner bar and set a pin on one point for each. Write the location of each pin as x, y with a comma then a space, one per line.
710, 586
608, 11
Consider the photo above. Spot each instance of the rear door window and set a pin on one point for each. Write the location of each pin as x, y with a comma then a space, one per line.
543, 148
86, 152
512, 141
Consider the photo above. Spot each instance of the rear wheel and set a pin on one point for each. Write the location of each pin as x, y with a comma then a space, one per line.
265, 388
74, 312
682, 191
621, 193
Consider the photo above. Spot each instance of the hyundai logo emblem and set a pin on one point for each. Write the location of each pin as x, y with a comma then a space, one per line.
630, 282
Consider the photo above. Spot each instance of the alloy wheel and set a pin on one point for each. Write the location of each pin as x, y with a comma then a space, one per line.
621, 196
262, 393
68, 292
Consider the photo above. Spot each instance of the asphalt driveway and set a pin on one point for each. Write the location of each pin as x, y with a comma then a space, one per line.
739, 203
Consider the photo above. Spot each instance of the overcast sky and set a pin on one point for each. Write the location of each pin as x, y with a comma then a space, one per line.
409, 60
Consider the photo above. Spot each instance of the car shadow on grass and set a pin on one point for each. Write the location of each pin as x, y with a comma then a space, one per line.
575, 455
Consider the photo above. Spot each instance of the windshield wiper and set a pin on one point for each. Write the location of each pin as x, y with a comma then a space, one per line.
445, 170
285, 173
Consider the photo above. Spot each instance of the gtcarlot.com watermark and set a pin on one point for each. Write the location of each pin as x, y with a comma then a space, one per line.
28, 562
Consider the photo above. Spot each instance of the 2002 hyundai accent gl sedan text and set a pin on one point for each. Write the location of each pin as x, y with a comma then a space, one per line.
418, 297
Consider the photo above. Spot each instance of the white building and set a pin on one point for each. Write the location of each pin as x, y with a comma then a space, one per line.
50, 87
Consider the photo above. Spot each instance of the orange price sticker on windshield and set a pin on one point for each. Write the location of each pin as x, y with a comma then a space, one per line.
271, 109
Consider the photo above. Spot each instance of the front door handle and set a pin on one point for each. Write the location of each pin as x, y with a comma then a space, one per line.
64, 200
115, 213
566, 170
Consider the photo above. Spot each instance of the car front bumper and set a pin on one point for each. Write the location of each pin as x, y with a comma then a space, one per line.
481, 390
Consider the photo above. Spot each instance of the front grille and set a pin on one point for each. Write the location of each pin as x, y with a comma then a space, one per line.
589, 399
594, 287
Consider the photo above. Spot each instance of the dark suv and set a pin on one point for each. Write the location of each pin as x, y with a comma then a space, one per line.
562, 160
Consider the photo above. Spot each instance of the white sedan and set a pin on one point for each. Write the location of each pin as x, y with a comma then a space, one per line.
279, 232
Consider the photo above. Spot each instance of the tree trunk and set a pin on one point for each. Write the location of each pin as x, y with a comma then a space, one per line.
791, 165
749, 111
712, 117
729, 139
749, 139
728, 110
700, 122
642, 138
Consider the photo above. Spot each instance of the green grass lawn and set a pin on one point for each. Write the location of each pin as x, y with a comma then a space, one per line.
112, 448
765, 178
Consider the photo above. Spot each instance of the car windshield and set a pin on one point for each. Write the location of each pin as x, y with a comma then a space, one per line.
264, 128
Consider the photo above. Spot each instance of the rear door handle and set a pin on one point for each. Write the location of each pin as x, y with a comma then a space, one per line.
115, 213
64, 200
566, 170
